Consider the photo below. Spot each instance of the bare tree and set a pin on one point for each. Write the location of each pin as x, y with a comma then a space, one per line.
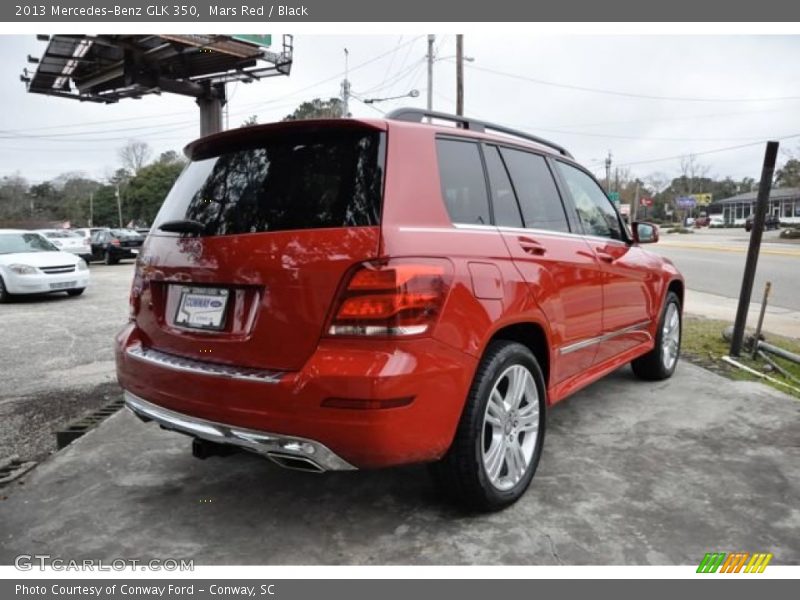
692, 169
657, 181
134, 155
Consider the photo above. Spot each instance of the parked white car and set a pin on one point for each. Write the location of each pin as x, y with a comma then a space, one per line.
69, 241
716, 221
31, 264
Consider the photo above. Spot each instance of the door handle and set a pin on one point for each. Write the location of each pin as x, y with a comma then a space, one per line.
531, 246
604, 256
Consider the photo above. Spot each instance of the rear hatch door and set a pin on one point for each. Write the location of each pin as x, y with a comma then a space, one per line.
246, 255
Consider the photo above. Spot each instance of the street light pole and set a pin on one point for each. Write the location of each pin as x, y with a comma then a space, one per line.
459, 74
431, 40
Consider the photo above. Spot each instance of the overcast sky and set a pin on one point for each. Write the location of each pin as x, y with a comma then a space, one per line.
643, 98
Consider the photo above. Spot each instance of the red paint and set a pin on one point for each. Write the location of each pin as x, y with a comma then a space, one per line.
378, 401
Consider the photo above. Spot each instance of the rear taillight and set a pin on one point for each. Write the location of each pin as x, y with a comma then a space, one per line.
399, 297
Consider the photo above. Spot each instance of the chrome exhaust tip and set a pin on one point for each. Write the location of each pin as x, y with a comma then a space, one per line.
295, 463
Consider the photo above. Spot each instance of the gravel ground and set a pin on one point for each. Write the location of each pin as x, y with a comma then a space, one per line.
58, 362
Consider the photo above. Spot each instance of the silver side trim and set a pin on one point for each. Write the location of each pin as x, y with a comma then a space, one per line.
602, 338
276, 446
188, 365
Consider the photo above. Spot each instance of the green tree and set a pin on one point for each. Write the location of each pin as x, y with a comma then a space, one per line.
145, 192
317, 108
789, 174
14, 201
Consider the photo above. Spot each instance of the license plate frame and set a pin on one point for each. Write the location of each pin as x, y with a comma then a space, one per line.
201, 313
63, 285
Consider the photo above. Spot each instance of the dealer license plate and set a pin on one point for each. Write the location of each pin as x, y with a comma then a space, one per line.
202, 308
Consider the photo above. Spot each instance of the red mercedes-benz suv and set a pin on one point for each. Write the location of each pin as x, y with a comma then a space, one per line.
348, 294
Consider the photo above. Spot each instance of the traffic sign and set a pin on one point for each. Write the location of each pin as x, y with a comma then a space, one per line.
614, 197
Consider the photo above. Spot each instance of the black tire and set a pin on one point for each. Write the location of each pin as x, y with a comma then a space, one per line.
461, 473
109, 259
76, 291
5, 296
651, 366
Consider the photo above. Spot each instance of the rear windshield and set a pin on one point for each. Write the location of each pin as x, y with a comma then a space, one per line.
305, 181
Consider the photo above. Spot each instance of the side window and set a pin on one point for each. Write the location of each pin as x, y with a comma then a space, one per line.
538, 195
504, 201
598, 215
463, 182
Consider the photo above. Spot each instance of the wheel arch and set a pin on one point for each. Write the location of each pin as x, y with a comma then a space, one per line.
533, 336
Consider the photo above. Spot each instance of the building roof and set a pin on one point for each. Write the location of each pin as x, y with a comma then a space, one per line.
775, 194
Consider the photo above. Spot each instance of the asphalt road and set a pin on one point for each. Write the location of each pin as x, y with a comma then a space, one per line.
715, 264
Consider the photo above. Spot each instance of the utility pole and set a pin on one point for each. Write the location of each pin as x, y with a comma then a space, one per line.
431, 40
460, 74
635, 205
91, 209
608, 172
119, 207
762, 203
346, 86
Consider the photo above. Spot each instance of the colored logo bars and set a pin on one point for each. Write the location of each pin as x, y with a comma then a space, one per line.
734, 562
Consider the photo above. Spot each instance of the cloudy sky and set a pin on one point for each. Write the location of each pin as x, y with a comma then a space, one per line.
647, 99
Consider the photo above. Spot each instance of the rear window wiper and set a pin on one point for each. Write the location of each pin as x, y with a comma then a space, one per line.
183, 226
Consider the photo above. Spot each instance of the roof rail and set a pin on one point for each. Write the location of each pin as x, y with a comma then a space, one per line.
417, 115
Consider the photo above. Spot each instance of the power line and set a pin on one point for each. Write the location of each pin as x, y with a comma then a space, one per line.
622, 93
714, 151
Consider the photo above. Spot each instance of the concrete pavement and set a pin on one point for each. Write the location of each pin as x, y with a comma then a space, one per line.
632, 473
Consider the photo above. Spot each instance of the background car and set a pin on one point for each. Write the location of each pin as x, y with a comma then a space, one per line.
68, 241
31, 264
113, 245
716, 221
770, 222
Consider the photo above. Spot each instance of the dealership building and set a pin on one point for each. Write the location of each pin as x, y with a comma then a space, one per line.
784, 203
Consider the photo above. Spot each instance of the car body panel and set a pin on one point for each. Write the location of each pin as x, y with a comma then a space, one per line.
596, 302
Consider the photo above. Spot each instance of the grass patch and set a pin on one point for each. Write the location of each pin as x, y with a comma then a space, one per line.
702, 344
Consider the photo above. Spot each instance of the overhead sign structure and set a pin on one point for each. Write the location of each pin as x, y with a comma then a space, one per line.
109, 68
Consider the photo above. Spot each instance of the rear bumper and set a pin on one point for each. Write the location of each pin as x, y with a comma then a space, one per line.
395, 403
283, 449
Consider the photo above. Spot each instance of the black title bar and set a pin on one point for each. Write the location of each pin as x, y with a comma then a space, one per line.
259, 11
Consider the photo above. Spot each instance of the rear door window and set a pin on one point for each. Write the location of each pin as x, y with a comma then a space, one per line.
504, 200
536, 189
463, 182
287, 182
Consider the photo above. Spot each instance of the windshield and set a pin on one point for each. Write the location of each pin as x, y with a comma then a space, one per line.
24, 242
124, 233
297, 181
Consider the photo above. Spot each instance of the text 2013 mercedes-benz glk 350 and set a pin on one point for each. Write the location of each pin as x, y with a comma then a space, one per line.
350, 294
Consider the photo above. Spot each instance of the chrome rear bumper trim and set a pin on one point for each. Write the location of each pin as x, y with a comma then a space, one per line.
188, 365
269, 444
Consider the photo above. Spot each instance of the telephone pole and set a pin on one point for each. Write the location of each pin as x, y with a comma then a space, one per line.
431, 40
119, 207
460, 74
608, 172
346, 86
91, 209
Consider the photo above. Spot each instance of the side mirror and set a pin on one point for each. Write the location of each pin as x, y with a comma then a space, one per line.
645, 233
